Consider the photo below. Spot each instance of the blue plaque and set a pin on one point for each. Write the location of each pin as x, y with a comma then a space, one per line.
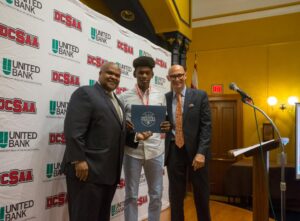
148, 118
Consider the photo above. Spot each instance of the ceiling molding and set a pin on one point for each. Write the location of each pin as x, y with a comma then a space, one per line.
247, 15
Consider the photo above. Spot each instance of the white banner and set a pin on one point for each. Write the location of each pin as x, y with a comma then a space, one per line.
47, 50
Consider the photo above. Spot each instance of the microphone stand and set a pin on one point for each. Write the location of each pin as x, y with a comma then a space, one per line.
282, 158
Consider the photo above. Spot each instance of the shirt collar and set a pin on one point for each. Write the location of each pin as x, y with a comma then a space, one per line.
182, 92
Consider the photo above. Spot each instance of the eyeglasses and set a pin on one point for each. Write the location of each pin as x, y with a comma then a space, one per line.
179, 76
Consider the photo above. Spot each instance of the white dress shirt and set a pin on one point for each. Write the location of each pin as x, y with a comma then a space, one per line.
154, 145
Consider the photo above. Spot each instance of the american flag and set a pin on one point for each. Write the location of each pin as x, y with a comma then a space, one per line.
194, 83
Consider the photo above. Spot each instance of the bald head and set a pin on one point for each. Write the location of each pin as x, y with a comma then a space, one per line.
107, 65
109, 76
176, 68
177, 77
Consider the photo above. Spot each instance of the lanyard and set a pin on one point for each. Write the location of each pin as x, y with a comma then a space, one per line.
140, 94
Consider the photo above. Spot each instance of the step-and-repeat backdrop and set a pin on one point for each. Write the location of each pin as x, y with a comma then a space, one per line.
47, 50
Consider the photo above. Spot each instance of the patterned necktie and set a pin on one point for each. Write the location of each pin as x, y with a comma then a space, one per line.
116, 105
179, 140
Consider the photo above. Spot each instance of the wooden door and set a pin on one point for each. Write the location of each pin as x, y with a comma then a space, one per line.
227, 133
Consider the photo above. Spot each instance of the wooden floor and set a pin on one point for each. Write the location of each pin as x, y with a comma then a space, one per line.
219, 212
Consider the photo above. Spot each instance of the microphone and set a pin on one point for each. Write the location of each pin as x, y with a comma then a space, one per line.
234, 87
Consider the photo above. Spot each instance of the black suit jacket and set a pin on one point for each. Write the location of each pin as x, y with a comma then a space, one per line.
196, 123
95, 134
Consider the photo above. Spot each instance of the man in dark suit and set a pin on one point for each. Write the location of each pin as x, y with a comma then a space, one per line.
187, 145
95, 131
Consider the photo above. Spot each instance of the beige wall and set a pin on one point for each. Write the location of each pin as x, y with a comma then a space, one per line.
263, 57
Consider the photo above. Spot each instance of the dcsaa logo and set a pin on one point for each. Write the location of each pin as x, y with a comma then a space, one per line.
161, 63
17, 106
67, 20
65, 78
96, 61
56, 200
57, 138
120, 90
125, 47
15, 177
19, 36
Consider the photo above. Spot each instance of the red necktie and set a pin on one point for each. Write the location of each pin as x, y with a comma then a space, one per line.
179, 140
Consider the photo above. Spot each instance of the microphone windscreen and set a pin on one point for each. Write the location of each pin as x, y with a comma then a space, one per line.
232, 86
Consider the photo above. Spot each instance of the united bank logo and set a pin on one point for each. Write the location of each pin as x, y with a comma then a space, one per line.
57, 200
144, 53
17, 140
125, 69
19, 36
15, 177
57, 138
92, 82
67, 20
17, 106
125, 47
30, 7
58, 108
20, 70
159, 81
65, 50
65, 78
16, 211
53, 171
117, 209
95, 61
99, 36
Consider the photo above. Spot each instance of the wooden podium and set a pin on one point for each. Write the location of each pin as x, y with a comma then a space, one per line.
260, 191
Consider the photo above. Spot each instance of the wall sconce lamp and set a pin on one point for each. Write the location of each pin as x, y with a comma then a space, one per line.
272, 101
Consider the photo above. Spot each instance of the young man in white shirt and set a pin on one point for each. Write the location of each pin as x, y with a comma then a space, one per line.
148, 153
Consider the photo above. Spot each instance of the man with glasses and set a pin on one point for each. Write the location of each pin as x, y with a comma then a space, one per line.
187, 145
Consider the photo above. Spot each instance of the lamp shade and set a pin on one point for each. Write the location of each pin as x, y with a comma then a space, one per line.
292, 100
272, 100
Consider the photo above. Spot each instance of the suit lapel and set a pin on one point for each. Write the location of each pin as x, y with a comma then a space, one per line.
169, 97
123, 112
108, 101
